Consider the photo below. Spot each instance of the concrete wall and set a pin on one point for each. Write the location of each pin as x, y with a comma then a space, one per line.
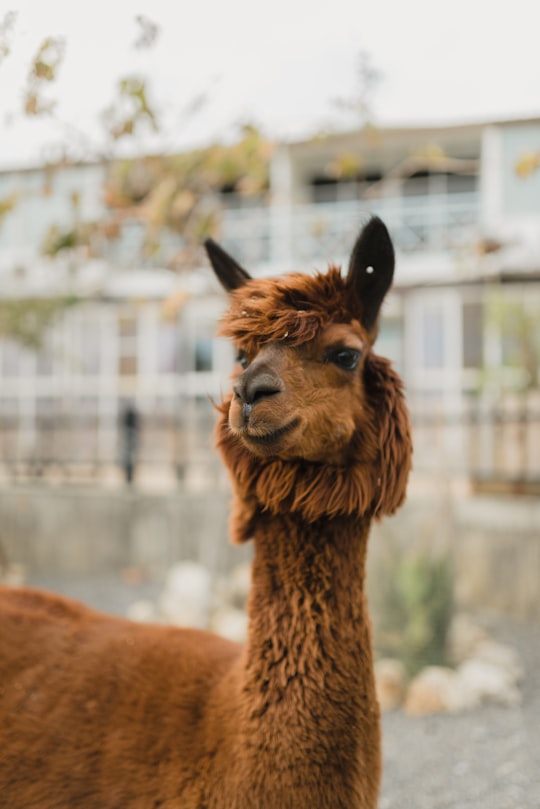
96, 531
493, 542
496, 553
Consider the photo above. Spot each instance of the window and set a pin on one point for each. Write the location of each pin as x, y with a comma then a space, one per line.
45, 359
325, 188
12, 358
473, 335
47, 406
168, 345
390, 340
89, 357
520, 194
88, 405
204, 350
417, 184
127, 365
461, 183
9, 407
520, 332
426, 182
433, 338
127, 345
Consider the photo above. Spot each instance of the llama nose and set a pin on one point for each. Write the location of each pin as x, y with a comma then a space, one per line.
251, 387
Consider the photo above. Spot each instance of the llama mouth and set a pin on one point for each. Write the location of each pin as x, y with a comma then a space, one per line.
271, 437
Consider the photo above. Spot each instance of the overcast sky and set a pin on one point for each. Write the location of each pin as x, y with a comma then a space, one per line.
279, 64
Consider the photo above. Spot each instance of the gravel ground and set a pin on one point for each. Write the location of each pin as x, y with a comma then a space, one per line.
485, 759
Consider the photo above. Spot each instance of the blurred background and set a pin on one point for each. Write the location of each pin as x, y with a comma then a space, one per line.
125, 141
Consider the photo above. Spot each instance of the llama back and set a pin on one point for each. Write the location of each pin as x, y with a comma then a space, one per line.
106, 712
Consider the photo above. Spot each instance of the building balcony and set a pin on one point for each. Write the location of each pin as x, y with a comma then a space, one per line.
320, 232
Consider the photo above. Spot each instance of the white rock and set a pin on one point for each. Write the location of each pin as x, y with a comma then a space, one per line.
487, 681
13, 574
461, 697
433, 690
230, 623
233, 590
240, 582
187, 596
464, 636
143, 611
500, 655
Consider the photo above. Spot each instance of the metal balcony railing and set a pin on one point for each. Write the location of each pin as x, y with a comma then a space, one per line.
494, 443
325, 231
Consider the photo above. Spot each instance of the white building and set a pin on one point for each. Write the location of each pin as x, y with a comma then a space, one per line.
464, 317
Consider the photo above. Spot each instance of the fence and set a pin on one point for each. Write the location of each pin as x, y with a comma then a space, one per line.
78, 447
493, 442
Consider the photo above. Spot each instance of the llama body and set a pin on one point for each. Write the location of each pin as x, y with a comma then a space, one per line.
99, 712
159, 716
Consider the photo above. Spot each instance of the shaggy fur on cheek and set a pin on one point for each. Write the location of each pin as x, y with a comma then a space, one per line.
372, 483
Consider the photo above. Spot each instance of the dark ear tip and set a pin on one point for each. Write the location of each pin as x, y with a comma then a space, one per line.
376, 229
230, 274
209, 245
377, 236
215, 252
374, 242
371, 270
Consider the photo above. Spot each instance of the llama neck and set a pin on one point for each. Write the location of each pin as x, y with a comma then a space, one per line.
309, 669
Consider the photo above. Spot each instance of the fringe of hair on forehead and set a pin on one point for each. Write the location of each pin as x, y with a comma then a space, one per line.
295, 308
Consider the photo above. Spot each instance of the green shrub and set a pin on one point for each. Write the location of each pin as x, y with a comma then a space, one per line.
412, 605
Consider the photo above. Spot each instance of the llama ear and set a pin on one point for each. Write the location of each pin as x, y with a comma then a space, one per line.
386, 396
230, 274
371, 269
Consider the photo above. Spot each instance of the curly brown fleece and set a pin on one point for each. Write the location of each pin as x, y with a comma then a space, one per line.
97, 712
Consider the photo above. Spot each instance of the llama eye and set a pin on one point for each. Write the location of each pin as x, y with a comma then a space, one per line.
242, 359
346, 358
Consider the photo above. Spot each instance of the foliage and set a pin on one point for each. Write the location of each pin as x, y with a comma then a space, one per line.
131, 110
515, 320
345, 166
360, 103
6, 205
527, 164
43, 71
148, 32
26, 320
58, 239
413, 603
165, 188
6, 26
170, 194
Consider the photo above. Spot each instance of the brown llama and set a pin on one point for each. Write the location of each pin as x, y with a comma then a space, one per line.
97, 712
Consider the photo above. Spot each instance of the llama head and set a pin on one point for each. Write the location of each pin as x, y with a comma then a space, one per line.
311, 402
